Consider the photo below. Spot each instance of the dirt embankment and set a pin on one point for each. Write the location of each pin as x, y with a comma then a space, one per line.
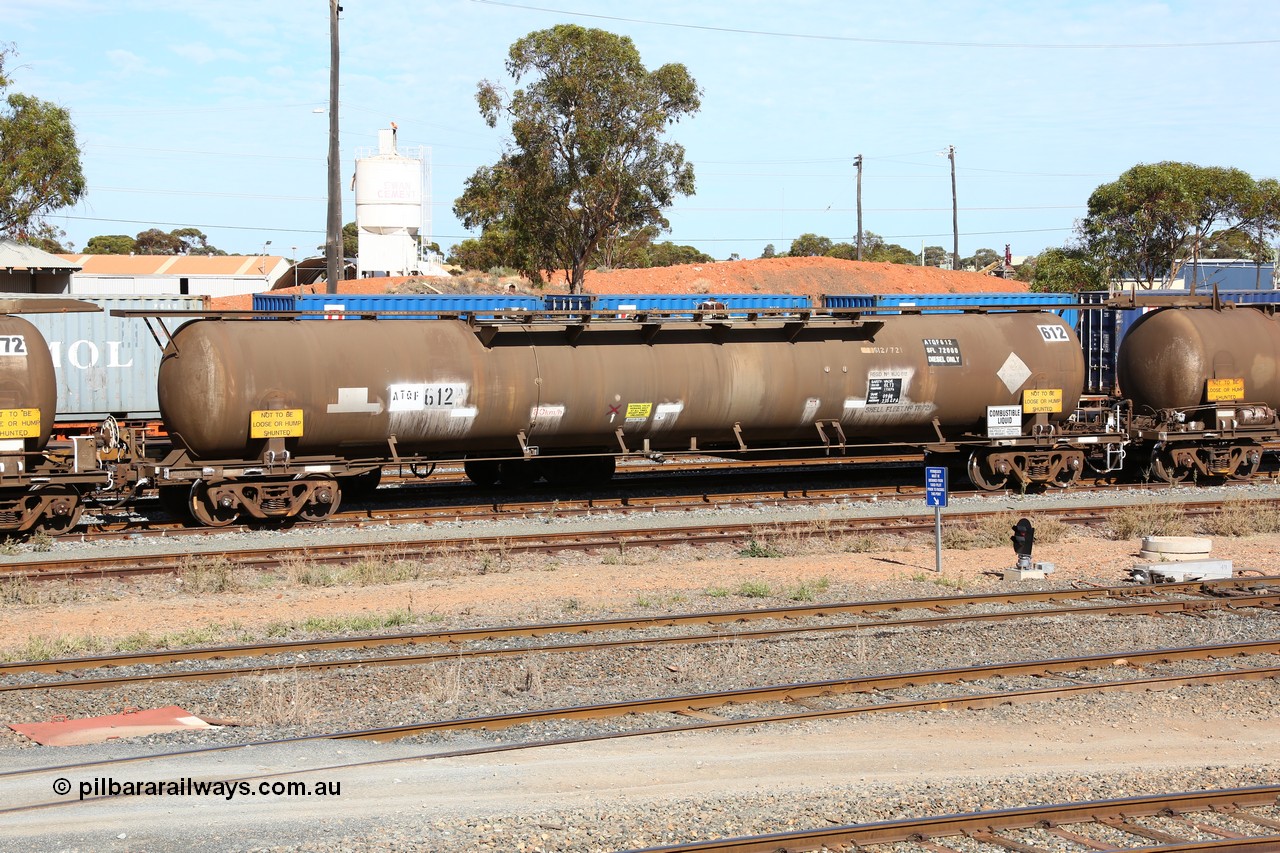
810, 276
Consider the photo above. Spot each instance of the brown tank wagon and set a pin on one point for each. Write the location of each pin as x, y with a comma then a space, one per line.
40, 485
306, 399
1204, 385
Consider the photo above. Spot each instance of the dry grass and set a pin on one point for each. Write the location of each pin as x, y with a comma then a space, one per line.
994, 531
283, 699
1153, 519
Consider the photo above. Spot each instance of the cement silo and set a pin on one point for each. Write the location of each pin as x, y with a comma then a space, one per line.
389, 208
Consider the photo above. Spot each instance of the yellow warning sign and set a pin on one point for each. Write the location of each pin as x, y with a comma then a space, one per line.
19, 423
1036, 400
275, 423
639, 410
1222, 390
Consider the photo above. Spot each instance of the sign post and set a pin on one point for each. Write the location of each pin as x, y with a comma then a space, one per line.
935, 495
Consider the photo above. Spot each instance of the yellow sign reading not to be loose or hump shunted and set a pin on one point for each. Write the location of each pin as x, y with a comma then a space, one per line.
19, 423
275, 423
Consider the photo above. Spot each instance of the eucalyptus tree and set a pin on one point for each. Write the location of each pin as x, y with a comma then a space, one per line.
587, 159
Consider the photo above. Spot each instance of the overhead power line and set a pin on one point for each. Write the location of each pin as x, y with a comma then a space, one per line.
865, 40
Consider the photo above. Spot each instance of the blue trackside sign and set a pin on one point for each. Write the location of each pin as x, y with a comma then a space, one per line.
935, 486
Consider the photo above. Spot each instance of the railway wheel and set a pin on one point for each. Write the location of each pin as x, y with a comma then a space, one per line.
63, 511
978, 473
206, 510
482, 472
1163, 468
324, 500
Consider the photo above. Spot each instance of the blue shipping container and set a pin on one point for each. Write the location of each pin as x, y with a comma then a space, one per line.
934, 300
848, 300
1232, 275
686, 303
420, 305
568, 301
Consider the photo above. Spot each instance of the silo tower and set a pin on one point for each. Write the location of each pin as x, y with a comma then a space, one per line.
388, 208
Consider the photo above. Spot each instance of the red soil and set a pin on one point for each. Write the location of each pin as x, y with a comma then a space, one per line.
810, 276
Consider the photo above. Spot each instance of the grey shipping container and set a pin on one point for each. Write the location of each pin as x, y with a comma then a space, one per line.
106, 365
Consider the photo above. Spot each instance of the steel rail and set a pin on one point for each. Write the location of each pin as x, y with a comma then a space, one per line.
80, 568
1225, 593
685, 704
984, 826
1129, 609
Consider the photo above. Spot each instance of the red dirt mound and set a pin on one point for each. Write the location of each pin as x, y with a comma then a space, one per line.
810, 276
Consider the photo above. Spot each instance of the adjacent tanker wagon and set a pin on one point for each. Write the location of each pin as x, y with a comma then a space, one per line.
105, 366
267, 417
40, 485
1204, 386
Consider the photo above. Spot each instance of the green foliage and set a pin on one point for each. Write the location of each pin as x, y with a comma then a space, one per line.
1155, 215
39, 163
111, 244
587, 160
1065, 270
809, 246
769, 252
980, 259
936, 256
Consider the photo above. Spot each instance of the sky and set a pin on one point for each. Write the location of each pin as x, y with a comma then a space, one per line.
214, 115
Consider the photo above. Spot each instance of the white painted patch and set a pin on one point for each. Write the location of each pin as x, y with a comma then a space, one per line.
464, 412
415, 397
854, 403
317, 469
13, 345
11, 444
354, 400
1013, 372
810, 410
554, 412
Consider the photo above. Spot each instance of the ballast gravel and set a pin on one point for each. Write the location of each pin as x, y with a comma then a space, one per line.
452, 791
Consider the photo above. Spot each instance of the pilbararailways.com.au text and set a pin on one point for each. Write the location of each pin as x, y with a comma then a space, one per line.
187, 787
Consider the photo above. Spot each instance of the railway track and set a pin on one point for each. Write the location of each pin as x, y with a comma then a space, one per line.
1200, 597
1225, 820
479, 505
544, 541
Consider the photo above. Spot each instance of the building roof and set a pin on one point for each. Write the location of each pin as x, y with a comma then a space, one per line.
19, 256
176, 265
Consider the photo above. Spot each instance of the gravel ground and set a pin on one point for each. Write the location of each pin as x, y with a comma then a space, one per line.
644, 790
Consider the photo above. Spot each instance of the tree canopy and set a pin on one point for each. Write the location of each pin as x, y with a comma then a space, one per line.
1155, 216
39, 163
587, 159
153, 241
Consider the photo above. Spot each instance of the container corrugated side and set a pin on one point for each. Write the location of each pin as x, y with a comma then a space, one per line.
419, 305
686, 303
107, 365
936, 300
848, 300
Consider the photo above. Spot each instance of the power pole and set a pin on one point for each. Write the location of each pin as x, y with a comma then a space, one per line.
857, 161
955, 211
333, 260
